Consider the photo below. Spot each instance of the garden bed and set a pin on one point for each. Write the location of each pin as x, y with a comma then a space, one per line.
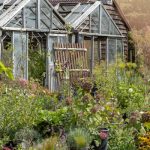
104, 111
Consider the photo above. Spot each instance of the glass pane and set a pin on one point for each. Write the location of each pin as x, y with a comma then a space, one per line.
16, 21
104, 23
82, 8
120, 49
20, 54
107, 25
56, 23
62, 39
112, 51
30, 13
78, 12
45, 15
95, 22
96, 52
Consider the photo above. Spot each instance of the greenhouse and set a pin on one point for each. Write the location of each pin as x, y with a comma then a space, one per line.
41, 34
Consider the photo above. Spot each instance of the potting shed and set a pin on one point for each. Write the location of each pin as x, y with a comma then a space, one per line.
68, 36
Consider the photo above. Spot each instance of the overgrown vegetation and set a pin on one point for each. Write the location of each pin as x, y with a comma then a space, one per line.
114, 99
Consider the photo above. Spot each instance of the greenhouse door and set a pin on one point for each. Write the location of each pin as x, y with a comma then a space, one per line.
51, 39
20, 54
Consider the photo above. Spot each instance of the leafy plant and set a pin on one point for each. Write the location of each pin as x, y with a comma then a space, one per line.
27, 137
6, 70
20, 107
78, 138
121, 138
37, 65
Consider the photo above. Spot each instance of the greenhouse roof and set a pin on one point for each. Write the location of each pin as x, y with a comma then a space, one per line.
92, 18
80, 13
88, 17
12, 12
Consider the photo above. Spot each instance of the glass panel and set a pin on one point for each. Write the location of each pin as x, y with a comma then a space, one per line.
56, 23
20, 54
30, 13
104, 23
82, 8
78, 12
62, 39
95, 21
107, 25
16, 21
112, 51
120, 49
45, 15
96, 52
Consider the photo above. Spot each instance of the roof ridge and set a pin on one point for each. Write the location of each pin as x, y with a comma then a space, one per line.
55, 2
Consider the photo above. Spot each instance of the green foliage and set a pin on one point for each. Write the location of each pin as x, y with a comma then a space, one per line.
68, 27
52, 143
130, 96
6, 70
123, 84
78, 138
27, 136
20, 107
119, 90
54, 117
7, 53
37, 65
121, 138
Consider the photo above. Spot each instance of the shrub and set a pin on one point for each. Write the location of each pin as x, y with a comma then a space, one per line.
20, 106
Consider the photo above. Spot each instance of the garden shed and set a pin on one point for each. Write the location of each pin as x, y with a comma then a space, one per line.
55, 40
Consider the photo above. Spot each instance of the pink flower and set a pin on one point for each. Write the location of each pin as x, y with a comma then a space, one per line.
23, 82
34, 86
103, 135
6, 148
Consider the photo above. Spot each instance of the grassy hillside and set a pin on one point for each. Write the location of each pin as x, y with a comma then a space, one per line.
137, 12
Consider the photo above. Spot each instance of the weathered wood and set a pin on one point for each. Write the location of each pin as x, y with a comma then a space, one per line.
13, 11
71, 57
38, 17
92, 55
70, 49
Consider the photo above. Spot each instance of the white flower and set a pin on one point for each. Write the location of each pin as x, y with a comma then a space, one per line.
130, 90
102, 108
141, 112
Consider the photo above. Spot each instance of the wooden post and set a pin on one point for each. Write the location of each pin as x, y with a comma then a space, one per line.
99, 50
100, 18
38, 13
92, 55
90, 23
23, 18
50, 64
76, 37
